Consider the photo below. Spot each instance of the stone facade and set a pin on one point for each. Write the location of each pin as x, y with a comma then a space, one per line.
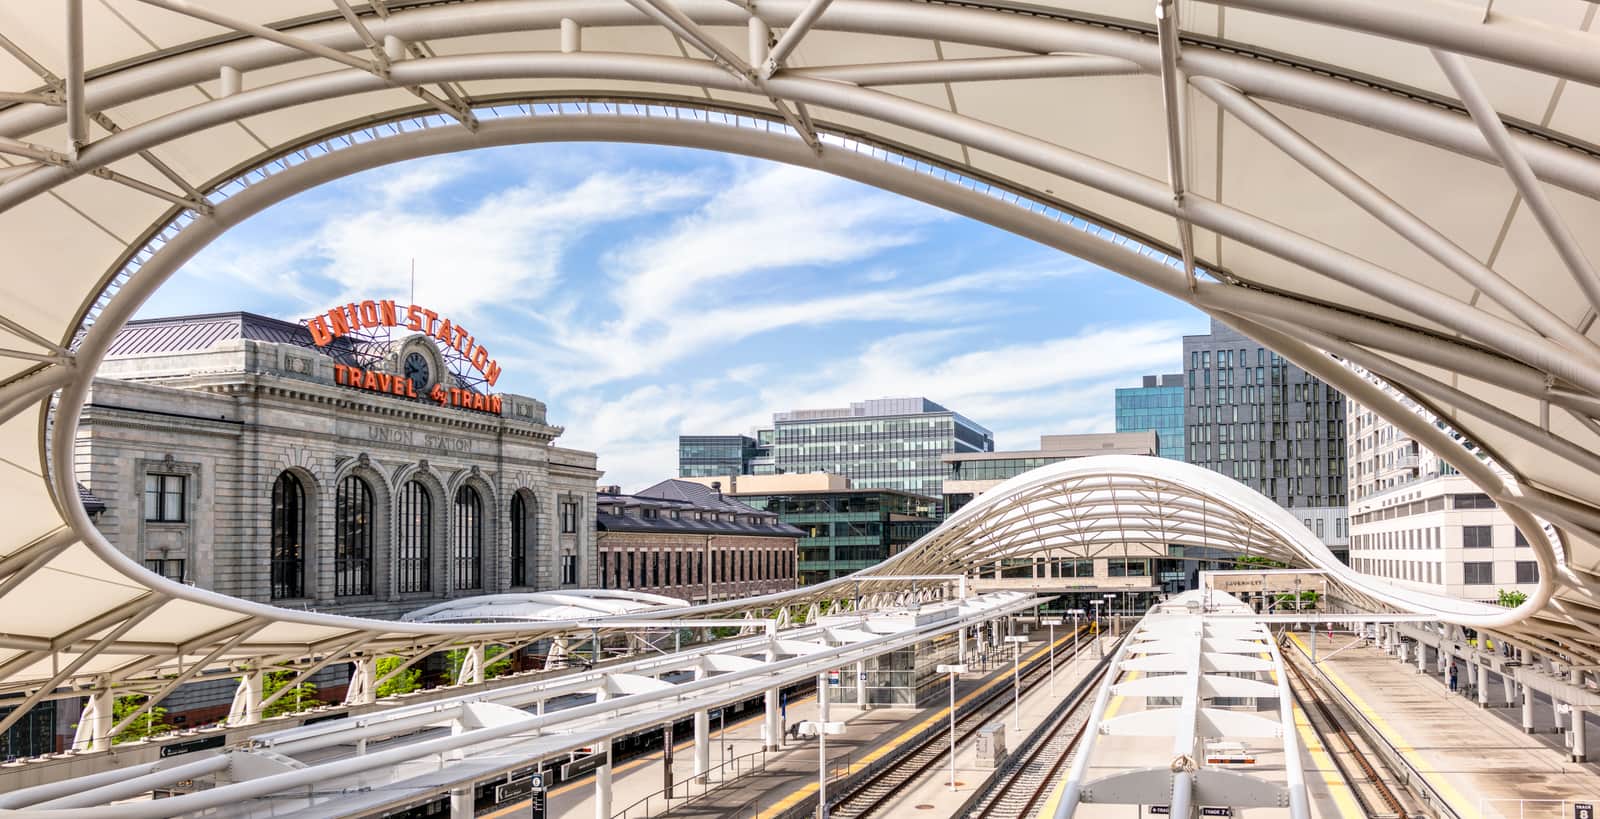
233, 417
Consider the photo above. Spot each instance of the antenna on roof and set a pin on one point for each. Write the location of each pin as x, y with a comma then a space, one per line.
413, 280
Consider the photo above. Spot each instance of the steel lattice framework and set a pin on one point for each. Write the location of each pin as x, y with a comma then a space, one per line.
1398, 185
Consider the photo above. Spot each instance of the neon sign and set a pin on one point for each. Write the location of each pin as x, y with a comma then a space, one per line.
340, 321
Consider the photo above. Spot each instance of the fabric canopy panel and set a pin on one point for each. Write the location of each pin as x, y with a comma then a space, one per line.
1397, 185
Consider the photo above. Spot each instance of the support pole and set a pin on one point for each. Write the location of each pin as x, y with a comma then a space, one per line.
861, 685
822, 747
77, 113
702, 737
1483, 685
1579, 735
1527, 710
571, 36
461, 804
602, 774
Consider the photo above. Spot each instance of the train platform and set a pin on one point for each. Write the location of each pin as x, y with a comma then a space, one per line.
1478, 760
786, 777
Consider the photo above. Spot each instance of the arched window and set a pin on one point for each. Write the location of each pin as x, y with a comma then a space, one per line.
469, 539
288, 537
519, 541
352, 552
414, 557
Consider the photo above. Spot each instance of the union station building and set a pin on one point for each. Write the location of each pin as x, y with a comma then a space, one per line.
359, 472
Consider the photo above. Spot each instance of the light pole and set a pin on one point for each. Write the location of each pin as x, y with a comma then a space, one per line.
952, 670
1016, 641
1052, 622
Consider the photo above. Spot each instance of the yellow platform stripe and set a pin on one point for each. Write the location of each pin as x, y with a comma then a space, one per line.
1343, 797
797, 796
1460, 804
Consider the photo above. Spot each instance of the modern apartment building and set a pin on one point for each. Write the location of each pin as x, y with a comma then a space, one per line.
844, 529
885, 443
1156, 405
1419, 523
1251, 415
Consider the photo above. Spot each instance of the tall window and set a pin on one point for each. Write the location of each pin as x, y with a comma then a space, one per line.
519, 541
352, 548
163, 498
288, 537
469, 539
414, 555
569, 517
569, 570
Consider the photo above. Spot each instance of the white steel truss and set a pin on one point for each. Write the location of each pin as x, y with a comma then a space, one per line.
1254, 201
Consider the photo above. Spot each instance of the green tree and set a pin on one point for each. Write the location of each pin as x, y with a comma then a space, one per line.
304, 696
1511, 599
454, 659
405, 682
1257, 562
148, 724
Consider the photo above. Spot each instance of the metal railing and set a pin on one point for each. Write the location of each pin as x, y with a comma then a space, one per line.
694, 786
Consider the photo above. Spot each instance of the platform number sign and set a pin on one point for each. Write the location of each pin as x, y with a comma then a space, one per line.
1583, 810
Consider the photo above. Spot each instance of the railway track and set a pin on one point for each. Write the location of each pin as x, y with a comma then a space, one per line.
869, 796
1377, 796
1021, 784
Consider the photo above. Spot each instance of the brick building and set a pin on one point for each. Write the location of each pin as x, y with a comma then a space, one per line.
686, 540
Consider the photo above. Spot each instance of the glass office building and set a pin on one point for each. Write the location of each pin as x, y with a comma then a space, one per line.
1158, 406
702, 455
887, 443
850, 529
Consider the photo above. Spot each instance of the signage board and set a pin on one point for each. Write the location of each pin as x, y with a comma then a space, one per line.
861, 676
582, 765
536, 805
1582, 810
373, 314
1216, 811
1161, 810
513, 790
449, 338
525, 771
191, 745
833, 676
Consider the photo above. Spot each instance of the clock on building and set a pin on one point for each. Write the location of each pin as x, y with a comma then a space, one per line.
419, 371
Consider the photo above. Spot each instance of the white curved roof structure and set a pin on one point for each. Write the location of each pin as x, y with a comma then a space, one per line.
538, 607
1403, 185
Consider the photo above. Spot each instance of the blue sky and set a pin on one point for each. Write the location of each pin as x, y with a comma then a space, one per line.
644, 292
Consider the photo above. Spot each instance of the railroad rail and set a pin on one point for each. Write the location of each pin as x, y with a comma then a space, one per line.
1349, 753
867, 793
1016, 788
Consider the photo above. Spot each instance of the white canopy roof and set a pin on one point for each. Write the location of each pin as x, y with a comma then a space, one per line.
1307, 170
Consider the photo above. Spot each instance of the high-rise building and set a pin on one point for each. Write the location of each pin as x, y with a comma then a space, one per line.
884, 443
1157, 405
715, 455
1422, 525
1251, 415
